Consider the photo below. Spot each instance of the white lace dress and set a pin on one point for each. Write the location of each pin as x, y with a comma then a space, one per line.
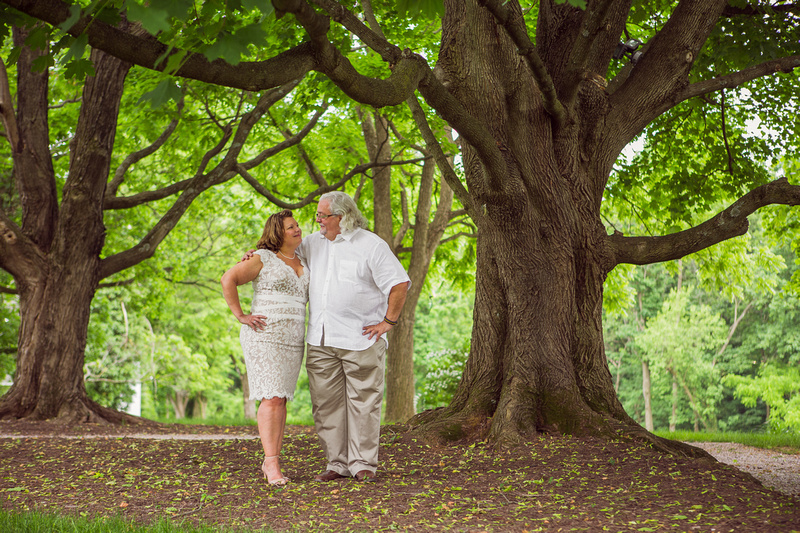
274, 354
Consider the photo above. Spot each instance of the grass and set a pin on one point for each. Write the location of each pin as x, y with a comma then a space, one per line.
35, 522
785, 442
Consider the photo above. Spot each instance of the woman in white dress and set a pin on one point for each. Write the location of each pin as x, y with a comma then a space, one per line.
272, 334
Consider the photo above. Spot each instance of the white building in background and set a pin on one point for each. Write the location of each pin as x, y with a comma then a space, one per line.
135, 405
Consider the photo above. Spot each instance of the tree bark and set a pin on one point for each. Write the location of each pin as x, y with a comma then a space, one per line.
537, 362
428, 232
55, 296
648, 406
249, 405
673, 419
179, 400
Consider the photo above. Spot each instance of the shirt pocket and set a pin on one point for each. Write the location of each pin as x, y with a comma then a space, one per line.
348, 271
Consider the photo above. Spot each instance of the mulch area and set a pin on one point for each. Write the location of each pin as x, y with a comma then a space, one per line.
549, 484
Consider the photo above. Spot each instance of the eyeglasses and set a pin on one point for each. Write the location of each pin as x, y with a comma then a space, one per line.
323, 216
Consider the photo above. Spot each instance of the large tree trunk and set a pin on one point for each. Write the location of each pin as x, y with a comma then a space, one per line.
537, 362
56, 292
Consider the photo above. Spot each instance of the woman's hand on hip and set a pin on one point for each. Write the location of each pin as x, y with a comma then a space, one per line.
256, 322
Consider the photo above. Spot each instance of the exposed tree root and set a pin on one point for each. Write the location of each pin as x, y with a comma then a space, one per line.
78, 411
440, 427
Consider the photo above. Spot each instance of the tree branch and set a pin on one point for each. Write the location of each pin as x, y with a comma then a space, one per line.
222, 172
373, 37
311, 168
19, 255
127, 202
659, 77
135, 157
733, 11
407, 68
406, 224
737, 318
147, 51
458, 236
735, 79
514, 25
430, 87
309, 198
289, 141
116, 283
730, 223
7, 114
442, 162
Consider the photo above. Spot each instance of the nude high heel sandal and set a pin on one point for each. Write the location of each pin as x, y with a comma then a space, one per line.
278, 482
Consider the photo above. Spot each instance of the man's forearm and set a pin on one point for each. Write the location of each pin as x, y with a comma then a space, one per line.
397, 298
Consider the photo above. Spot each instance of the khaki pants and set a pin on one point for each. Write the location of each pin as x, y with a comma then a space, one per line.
346, 394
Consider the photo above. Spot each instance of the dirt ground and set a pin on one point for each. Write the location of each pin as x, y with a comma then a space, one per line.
211, 476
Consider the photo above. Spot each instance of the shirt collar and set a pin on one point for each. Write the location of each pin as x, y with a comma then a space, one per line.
346, 235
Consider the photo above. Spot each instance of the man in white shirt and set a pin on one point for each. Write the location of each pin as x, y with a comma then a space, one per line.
357, 290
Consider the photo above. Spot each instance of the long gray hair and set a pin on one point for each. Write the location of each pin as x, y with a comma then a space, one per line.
341, 204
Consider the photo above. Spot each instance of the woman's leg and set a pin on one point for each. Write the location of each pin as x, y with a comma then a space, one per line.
271, 418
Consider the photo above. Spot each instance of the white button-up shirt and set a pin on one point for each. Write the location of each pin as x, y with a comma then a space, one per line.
351, 278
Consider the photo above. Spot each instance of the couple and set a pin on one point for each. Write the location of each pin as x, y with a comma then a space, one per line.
356, 289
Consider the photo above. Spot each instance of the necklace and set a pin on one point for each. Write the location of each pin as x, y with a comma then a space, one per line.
286, 256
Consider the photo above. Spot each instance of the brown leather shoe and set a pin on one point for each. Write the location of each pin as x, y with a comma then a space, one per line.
328, 475
365, 475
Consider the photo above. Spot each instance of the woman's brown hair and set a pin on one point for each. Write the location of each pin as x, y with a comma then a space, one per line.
272, 238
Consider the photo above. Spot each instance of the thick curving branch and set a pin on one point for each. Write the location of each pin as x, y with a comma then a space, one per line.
146, 51
730, 223
408, 68
662, 73
434, 93
514, 25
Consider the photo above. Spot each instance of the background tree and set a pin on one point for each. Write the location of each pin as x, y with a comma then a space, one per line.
54, 254
540, 127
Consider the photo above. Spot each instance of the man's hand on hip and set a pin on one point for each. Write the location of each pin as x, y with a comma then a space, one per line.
376, 330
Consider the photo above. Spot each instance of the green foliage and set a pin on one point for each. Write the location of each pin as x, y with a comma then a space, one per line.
428, 8
681, 343
165, 91
618, 294
441, 345
443, 370
9, 327
779, 386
